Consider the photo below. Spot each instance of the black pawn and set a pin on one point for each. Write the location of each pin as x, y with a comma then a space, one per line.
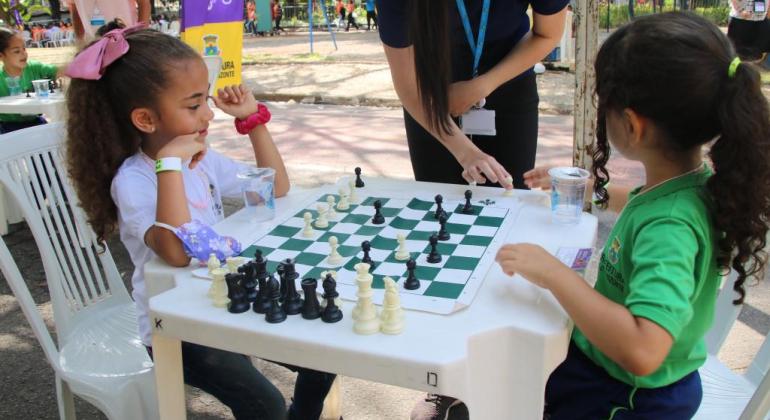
434, 257
331, 312
439, 210
262, 303
28, 95
275, 314
443, 234
279, 270
411, 282
292, 303
236, 294
51, 85
366, 247
249, 281
378, 218
468, 207
311, 309
359, 181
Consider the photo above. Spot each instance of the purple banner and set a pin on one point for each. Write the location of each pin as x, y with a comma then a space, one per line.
199, 12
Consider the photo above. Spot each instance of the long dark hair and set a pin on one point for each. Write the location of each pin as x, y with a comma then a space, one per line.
428, 20
5, 38
673, 69
100, 134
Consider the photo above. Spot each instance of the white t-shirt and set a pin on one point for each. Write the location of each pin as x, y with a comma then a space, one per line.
757, 10
134, 191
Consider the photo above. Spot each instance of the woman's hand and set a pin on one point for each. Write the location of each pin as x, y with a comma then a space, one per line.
538, 178
236, 100
531, 261
188, 146
463, 95
479, 166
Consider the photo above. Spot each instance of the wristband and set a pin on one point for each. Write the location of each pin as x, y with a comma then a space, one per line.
262, 116
168, 164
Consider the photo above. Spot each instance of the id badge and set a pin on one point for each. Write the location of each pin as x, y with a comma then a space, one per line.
479, 121
759, 7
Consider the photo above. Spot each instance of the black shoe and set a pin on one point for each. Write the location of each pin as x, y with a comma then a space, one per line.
439, 407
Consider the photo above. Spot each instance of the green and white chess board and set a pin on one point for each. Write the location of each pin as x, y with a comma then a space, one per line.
445, 287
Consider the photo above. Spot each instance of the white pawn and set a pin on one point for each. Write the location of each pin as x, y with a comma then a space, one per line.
365, 320
508, 181
402, 254
307, 232
352, 196
232, 264
392, 318
212, 264
321, 222
330, 214
334, 257
344, 204
218, 290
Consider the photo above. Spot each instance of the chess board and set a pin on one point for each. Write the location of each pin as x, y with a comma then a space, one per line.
445, 287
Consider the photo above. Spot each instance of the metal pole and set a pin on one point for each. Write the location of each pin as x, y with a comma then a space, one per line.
310, 22
328, 25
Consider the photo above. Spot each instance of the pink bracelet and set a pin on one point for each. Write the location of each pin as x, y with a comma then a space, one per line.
262, 116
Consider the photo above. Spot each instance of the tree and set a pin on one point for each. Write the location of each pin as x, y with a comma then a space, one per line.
55, 9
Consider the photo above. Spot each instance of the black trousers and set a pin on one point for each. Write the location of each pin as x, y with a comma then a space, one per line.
514, 146
750, 38
369, 17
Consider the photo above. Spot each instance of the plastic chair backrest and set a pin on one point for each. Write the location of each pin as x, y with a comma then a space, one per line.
213, 64
81, 273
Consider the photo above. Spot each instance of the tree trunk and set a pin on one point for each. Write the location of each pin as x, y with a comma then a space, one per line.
55, 12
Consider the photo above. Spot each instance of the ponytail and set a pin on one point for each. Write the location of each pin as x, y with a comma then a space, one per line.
740, 186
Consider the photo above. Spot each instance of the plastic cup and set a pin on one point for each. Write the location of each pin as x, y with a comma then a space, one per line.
568, 187
41, 88
257, 186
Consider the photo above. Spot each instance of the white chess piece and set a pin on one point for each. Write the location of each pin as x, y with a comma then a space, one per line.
352, 196
334, 257
218, 289
321, 222
307, 232
392, 318
232, 264
365, 320
343, 204
508, 181
402, 254
330, 214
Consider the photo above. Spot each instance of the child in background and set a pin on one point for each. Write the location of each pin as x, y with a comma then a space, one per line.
667, 84
17, 76
137, 156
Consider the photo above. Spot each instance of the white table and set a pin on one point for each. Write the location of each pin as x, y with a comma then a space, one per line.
496, 355
53, 107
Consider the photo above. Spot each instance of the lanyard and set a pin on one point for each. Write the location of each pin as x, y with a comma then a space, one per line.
476, 46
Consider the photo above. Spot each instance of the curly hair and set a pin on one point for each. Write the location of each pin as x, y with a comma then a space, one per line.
673, 69
100, 134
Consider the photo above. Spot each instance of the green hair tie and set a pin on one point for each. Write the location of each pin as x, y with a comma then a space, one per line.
733, 67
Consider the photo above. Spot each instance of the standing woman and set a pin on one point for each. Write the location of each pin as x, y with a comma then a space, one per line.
448, 56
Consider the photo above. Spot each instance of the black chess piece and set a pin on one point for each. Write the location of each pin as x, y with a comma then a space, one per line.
236, 294
260, 264
359, 181
262, 303
51, 85
443, 234
311, 309
279, 271
434, 257
366, 247
292, 303
275, 313
439, 210
468, 207
28, 95
411, 282
331, 312
378, 218
249, 281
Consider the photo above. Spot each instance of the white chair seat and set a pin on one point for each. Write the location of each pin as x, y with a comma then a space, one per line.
725, 393
107, 345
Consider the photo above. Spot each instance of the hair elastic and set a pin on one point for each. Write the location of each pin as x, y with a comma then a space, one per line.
733, 67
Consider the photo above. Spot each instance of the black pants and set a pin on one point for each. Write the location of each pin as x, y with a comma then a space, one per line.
750, 38
351, 21
515, 145
371, 16
233, 380
278, 23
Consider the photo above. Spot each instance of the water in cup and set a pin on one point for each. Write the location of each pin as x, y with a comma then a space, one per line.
41, 88
568, 187
258, 192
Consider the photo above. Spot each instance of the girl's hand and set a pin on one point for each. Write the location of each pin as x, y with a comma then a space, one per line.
188, 146
463, 95
479, 166
236, 100
538, 178
531, 261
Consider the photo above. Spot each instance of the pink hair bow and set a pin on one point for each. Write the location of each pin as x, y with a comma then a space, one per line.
92, 61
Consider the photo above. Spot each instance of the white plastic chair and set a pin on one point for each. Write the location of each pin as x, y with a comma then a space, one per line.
213, 65
726, 394
98, 354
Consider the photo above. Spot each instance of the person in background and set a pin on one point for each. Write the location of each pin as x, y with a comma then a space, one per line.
277, 16
340, 8
351, 8
371, 15
749, 29
89, 15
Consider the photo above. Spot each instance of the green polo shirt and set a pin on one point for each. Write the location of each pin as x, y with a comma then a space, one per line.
660, 263
33, 71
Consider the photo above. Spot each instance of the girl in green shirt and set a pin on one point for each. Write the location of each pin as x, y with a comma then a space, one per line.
667, 85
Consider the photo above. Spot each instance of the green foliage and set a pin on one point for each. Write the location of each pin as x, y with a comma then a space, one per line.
619, 13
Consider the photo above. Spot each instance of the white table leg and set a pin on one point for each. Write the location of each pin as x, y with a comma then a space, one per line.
3, 217
167, 354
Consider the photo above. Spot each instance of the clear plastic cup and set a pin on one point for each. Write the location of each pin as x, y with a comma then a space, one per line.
568, 187
258, 188
41, 88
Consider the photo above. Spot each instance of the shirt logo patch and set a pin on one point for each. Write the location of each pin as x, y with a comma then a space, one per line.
613, 254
